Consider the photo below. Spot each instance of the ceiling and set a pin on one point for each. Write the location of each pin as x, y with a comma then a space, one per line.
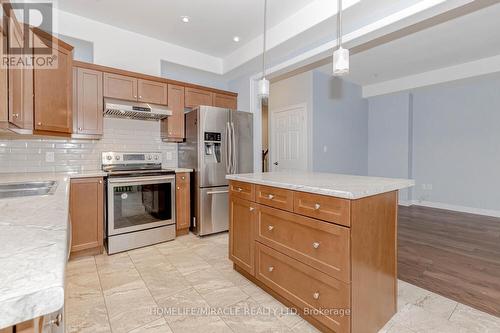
464, 39
212, 26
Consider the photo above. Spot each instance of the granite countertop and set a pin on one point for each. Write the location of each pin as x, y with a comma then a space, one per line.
34, 238
335, 185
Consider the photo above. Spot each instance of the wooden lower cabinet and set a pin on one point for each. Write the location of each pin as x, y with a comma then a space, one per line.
87, 215
341, 277
182, 203
241, 230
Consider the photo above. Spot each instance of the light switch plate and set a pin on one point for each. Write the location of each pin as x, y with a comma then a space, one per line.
49, 156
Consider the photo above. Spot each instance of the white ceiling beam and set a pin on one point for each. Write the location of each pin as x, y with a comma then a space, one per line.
452, 73
306, 18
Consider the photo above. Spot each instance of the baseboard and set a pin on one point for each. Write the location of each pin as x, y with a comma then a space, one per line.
456, 208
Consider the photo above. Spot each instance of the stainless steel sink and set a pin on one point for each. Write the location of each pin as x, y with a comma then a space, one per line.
25, 189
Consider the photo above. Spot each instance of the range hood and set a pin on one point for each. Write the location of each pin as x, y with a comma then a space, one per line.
135, 110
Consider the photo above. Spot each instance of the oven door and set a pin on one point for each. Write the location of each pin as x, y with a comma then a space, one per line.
139, 203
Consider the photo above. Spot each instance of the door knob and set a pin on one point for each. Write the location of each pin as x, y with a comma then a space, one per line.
270, 269
252, 209
316, 295
270, 196
270, 228
315, 245
317, 206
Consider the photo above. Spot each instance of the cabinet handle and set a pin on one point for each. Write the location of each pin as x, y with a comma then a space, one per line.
270, 228
271, 268
39, 124
15, 115
57, 321
178, 187
270, 197
317, 206
183, 177
316, 295
315, 245
239, 189
79, 128
140, 97
100, 182
252, 209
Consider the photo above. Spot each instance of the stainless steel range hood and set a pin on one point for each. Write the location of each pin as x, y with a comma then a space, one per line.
135, 110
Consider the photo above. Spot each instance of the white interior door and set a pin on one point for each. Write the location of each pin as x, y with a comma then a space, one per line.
288, 134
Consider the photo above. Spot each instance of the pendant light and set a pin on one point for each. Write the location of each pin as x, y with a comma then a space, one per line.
341, 55
263, 82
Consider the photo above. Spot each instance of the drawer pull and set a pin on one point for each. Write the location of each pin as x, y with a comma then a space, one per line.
270, 228
239, 189
316, 295
270, 197
271, 268
252, 209
317, 206
315, 245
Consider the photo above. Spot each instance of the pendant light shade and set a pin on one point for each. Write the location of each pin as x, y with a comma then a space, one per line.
341, 62
263, 88
263, 82
341, 55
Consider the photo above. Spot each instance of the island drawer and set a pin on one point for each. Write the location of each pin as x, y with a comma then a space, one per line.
319, 295
242, 190
274, 197
323, 207
322, 245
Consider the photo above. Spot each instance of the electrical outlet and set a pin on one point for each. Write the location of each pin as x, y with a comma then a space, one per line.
49, 156
169, 156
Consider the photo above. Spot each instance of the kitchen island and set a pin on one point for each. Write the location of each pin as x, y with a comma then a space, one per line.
324, 244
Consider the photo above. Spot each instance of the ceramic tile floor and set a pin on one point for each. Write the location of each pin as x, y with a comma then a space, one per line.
134, 292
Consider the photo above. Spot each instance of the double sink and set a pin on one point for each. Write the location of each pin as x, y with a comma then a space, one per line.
26, 189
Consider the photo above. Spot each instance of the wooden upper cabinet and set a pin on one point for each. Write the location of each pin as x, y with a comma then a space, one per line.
172, 128
120, 87
20, 83
196, 97
225, 101
87, 214
152, 92
4, 92
88, 101
53, 90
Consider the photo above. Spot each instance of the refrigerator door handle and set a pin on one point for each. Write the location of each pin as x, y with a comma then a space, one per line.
228, 148
234, 159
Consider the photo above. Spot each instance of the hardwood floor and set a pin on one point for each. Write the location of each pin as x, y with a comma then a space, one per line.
453, 254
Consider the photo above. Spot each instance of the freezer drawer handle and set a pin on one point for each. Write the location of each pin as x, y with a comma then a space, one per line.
217, 192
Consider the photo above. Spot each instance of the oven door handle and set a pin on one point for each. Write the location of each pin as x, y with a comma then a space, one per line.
139, 179
217, 192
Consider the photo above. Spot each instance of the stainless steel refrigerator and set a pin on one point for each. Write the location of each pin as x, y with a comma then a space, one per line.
218, 142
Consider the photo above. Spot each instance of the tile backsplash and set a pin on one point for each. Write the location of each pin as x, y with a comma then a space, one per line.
36, 154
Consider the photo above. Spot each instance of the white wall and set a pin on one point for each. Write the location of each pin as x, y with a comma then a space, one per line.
131, 51
340, 126
453, 148
389, 141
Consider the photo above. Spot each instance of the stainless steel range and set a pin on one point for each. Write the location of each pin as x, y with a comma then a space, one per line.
140, 200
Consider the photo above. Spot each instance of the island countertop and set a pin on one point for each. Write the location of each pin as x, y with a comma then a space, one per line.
331, 184
34, 235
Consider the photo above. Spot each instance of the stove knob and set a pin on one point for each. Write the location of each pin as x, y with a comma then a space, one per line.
156, 157
109, 157
117, 157
149, 157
